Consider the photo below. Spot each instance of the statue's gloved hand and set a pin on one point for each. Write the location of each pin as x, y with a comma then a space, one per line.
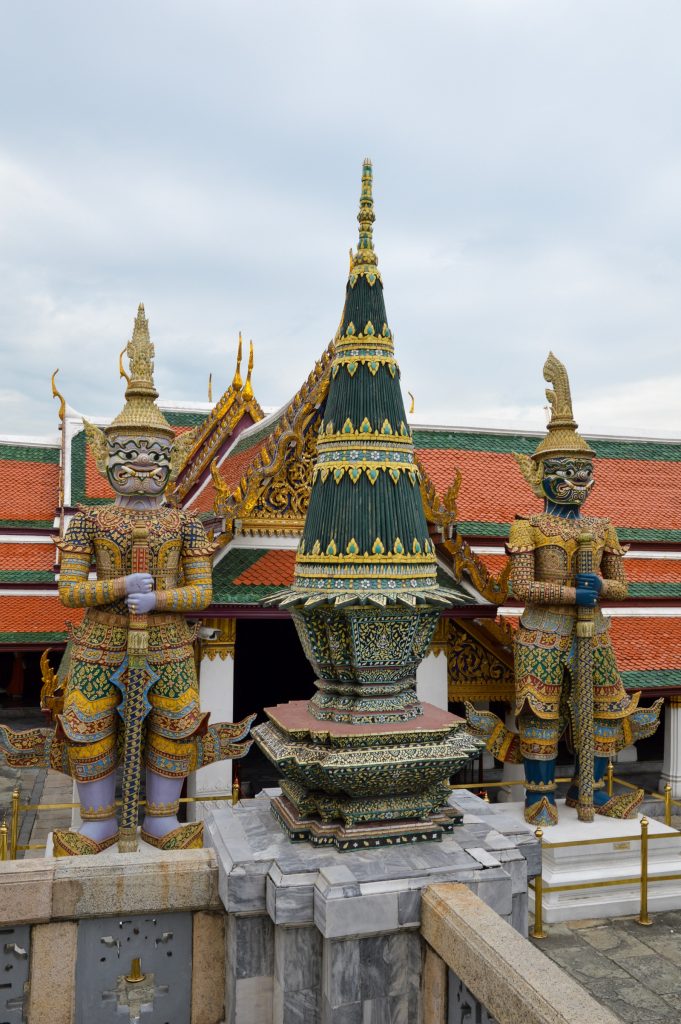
589, 581
586, 598
139, 583
140, 604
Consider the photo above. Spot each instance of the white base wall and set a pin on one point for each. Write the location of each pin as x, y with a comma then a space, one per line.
671, 766
431, 680
216, 689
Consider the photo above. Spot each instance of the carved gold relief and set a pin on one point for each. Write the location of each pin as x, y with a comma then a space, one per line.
475, 670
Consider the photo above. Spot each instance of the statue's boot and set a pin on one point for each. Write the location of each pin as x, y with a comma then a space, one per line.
100, 827
540, 793
160, 827
623, 806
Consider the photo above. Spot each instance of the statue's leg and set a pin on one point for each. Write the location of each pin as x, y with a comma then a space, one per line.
174, 718
97, 808
608, 740
617, 723
163, 802
89, 723
539, 746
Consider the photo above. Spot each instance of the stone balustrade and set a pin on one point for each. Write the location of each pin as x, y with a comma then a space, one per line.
478, 968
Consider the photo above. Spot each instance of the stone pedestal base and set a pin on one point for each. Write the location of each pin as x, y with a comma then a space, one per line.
342, 782
318, 935
365, 836
617, 859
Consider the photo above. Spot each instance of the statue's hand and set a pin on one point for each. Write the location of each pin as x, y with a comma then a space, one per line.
140, 604
139, 583
586, 598
589, 581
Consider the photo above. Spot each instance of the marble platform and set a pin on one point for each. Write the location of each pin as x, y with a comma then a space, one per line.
618, 857
314, 934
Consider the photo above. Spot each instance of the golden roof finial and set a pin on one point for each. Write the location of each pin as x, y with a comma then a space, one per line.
57, 394
237, 382
248, 387
210, 387
140, 413
413, 403
366, 217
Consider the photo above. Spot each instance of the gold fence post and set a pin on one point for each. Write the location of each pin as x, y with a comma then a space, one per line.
644, 917
14, 824
538, 930
668, 803
608, 777
3, 840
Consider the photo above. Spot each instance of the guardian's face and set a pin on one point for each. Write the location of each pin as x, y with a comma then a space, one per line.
567, 480
138, 465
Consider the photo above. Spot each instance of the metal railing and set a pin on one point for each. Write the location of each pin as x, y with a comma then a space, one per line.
538, 885
9, 834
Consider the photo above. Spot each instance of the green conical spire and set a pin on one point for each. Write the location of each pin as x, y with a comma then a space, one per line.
365, 534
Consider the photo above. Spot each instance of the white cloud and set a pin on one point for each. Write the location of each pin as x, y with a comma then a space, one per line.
207, 162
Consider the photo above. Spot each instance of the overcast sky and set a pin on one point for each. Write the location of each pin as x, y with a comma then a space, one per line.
205, 158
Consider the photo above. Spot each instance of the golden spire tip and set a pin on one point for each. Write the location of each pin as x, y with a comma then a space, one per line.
248, 387
237, 382
366, 217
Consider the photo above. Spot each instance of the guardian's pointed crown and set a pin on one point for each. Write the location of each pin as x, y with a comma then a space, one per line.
140, 414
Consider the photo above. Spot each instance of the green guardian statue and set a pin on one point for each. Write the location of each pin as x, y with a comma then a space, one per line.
127, 692
566, 678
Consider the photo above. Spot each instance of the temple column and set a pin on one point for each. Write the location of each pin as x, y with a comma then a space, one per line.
511, 772
216, 689
431, 675
671, 766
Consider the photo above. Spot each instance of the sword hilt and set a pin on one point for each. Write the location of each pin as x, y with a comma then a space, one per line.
138, 641
585, 562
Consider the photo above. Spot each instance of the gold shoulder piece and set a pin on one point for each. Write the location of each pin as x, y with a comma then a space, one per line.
521, 536
531, 472
612, 542
181, 447
96, 438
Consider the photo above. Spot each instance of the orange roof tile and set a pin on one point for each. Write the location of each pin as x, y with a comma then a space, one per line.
39, 617
653, 570
96, 485
645, 644
633, 493
27, 556
28, 490
204, 501
641, 643
493, 563
274, 569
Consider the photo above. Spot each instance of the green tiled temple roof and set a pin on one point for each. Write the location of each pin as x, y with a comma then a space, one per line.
365, 531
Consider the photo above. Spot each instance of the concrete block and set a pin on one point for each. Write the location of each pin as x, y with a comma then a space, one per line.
25, 891
297, 958
359, 915
299, 1007
208, 968
138, 883
53, 971
340, 971
250, 946
253, 1001
434, 988
512, 979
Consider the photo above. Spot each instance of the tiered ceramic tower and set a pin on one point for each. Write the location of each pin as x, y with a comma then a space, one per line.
365, 762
